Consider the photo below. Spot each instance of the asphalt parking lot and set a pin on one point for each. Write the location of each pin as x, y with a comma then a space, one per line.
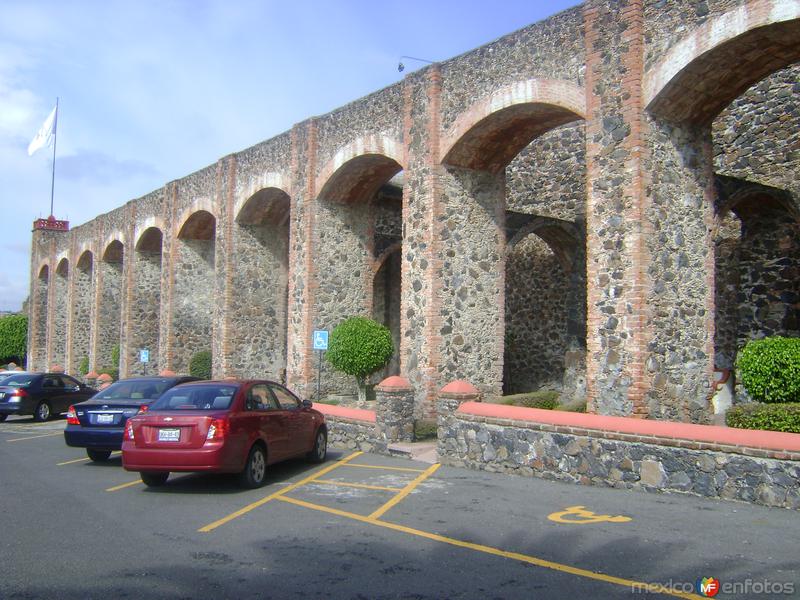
365, 526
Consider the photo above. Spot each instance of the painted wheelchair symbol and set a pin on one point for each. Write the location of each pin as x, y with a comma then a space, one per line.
578, 515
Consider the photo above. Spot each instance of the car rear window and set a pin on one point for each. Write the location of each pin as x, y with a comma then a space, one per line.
18, 380
146, 389
196, 397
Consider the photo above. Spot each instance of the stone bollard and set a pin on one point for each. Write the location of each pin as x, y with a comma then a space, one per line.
450, 398
56, 368
104, 381
394, 417
166, 373
90, 378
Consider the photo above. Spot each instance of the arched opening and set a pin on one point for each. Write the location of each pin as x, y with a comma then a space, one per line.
39, 334
145, 303
258, 310
386, 294
514, 302
109, 309
757, 266
545, 313
360, 216
194, 289
82, 322
60, 311
721, 112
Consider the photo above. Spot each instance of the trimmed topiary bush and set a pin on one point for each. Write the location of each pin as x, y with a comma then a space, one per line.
200, 365
13, 338
360, 347
771, 417
83, 366
770, 369
115, 356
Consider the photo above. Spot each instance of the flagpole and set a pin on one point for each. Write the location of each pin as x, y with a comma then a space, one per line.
55, 139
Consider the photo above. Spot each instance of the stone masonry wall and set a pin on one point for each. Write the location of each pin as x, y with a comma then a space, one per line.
145, 311
193, 301
536, 318
60, 310
258, 304
639, 184
554, 453
81, 315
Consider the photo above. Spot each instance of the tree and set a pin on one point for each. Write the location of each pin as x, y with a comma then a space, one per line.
360, 347
13, 338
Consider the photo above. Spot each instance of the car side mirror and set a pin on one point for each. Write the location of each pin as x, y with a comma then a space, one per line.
307, 404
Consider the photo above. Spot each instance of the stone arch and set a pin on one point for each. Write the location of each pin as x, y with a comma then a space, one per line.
258, 317
359, 207
757, 292
562, 237
145, 226
720, 59
82, 323
386, 299
108, 318
145, 300
359, 169
266, 181
195, 288
496, 128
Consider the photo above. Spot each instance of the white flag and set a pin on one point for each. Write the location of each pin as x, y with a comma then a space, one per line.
45, 135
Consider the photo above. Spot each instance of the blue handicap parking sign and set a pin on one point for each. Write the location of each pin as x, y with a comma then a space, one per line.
320, 340
144, 356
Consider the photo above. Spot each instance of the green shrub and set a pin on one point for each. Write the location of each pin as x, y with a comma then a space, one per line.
13, 338
115, 356
545, 399
425, 429
359, 347
579, 407
771, 417
83, 366
770, 369
200, 365
109, 371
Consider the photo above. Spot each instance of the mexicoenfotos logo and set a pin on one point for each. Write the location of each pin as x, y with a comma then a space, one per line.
708, 586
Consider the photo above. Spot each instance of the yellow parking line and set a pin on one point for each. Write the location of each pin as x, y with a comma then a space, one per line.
77, 460
358, 485
33, 437
407, 470
286, 490
405, 492
539, 562
124, 485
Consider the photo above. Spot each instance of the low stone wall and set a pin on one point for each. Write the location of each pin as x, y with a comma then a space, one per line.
349, 428
715, 462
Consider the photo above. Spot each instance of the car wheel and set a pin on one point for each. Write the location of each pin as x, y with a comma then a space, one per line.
255, 471
43, 412
320, 449
154, 479
98, 455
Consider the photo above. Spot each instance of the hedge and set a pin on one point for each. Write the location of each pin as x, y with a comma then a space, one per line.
770, 417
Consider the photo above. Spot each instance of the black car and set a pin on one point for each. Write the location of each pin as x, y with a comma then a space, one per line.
97, 424
42, 395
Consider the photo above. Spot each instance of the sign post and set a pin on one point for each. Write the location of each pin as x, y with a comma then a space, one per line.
144, 358
320, 344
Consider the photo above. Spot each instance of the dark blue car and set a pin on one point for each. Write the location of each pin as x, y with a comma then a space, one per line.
98, 423
43, 395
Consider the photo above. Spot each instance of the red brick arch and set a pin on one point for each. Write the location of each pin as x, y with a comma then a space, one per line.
359, 168
491, 132
718, 61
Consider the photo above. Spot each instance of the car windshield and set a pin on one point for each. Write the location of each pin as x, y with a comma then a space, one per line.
137, 389
196, 397
18, 380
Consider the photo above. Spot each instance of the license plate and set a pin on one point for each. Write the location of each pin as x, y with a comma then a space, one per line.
169, 435
105, 419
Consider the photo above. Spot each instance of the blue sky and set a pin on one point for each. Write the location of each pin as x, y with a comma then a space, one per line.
151, 91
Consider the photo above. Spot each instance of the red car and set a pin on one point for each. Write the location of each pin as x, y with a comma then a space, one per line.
223, 427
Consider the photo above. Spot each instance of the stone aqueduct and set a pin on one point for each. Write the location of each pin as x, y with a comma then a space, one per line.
604, 202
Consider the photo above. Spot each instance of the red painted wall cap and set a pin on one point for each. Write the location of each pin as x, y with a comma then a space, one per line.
395, 382
460, 387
